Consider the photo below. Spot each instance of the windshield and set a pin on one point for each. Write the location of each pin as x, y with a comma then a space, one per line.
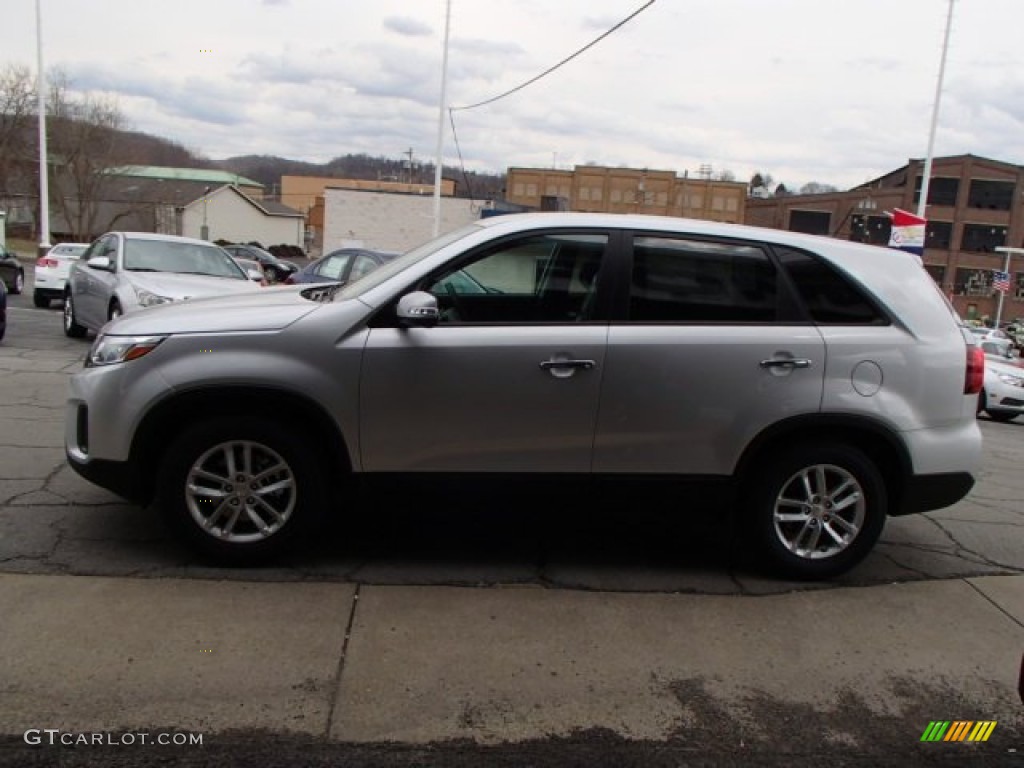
179, 257
393, 267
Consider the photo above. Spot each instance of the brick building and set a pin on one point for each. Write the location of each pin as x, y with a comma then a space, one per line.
975, 204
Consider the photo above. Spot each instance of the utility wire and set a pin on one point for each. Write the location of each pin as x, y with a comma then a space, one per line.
564, 61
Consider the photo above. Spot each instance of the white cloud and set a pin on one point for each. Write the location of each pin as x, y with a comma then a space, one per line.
797, 88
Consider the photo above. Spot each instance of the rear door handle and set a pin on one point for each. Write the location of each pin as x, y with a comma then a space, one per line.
786, 362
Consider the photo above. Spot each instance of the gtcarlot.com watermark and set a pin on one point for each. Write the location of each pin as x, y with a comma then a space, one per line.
54, 737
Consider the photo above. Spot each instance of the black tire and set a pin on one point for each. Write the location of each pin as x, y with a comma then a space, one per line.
18, 283
41, 301
982, 401
226, 531
71, 327
1003, 416
787, 546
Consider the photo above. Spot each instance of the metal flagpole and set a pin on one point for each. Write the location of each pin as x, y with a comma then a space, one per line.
1006, 268
927, 173
439, 157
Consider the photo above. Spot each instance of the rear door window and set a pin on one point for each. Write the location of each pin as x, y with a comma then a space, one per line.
829, 297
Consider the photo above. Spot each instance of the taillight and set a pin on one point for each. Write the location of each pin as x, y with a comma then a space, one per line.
974, 378
45, 262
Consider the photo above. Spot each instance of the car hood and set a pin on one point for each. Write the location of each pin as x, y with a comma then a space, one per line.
265, 309
179, 287
1013, 369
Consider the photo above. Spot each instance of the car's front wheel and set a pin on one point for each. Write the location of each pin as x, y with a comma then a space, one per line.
71, 325
816, 510
18, 284
242, 491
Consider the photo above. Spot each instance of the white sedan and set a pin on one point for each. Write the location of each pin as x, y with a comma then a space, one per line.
51, 272
1002, 396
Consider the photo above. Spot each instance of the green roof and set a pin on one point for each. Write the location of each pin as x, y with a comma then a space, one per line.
183, 174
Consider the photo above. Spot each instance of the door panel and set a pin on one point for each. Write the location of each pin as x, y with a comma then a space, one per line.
688, 399
476, 399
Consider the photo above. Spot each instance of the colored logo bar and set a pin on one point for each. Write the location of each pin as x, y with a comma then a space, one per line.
958, 730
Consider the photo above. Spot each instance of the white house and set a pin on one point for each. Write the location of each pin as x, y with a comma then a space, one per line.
227, 213
389, 221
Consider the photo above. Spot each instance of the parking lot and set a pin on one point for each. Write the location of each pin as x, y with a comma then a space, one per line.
620, 625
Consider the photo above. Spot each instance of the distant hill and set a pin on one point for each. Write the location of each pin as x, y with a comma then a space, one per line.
268, 170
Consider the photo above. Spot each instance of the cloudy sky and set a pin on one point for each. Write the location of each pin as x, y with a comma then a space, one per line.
807, 90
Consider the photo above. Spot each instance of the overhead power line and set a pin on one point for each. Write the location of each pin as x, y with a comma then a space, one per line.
564, 61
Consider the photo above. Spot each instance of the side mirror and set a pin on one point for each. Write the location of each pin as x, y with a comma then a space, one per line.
100, 262
418, 308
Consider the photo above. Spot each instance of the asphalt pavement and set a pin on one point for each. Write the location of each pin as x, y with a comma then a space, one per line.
486, 634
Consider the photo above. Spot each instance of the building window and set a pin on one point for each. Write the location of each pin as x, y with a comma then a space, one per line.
563, 191
941, 191
584, 193
732, 204
531, 190
937, 271
551, 191
992, 195
595, 194
938, 234
983, 238
696, 201
616, 196
810, 222
1018, 286
717, 203
973, 282
662, 198
517, 189
874, 230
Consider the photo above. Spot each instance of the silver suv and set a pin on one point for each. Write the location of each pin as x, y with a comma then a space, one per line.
823, 383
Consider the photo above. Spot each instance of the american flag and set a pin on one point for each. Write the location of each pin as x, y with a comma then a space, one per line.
1001, 281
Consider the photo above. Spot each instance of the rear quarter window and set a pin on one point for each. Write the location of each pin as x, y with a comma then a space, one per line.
829, 297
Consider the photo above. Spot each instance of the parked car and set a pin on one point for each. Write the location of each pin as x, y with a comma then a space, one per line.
998, 337
341, 266
51, 272
124, 271
822, 384
11, 271
3, 309
253, 269
1002, 396
275, 269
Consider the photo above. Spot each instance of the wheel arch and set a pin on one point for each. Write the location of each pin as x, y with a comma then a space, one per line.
165, 421
877, 441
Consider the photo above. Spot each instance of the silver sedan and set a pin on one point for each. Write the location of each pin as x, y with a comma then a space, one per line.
125, 271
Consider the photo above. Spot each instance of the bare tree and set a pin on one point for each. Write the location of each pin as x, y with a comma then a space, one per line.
83, 145
816, 188
17, 109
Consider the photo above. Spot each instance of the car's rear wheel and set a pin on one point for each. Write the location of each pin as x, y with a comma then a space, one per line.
71, 326
40, 300
241, 491
816, 510
18, 284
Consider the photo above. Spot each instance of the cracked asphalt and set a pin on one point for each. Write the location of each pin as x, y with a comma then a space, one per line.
609, 554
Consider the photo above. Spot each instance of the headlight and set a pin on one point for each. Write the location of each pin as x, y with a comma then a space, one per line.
108, 350
147, 299
1013, 381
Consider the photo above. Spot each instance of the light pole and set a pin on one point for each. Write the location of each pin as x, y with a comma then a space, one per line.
439, 153
1006, 268
204, 232
44, 170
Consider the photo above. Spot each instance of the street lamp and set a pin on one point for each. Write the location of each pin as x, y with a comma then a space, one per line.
1006, 268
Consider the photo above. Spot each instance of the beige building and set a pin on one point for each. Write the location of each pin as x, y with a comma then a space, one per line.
626, 190
306, 194
975, 205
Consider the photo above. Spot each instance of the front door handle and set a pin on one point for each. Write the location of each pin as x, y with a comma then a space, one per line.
586, 365
786, 362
